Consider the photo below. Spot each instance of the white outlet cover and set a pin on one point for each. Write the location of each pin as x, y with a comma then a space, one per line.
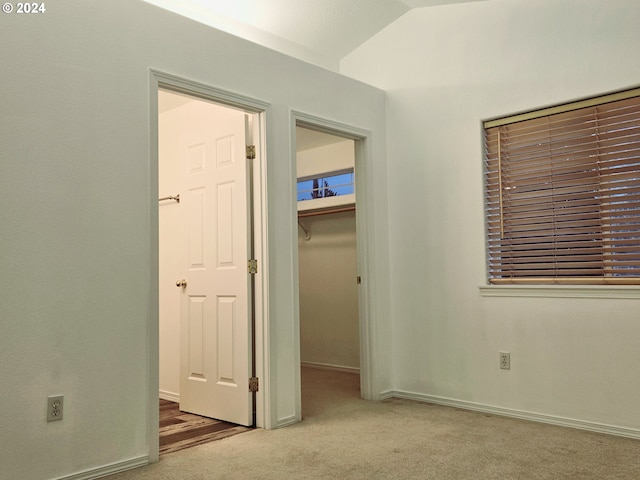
55, 404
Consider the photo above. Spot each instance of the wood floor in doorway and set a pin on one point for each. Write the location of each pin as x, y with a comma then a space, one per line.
179, 430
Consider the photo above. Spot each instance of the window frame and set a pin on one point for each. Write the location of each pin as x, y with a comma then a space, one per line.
543, 282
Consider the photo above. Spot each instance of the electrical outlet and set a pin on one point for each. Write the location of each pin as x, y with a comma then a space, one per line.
54, 407
505, 360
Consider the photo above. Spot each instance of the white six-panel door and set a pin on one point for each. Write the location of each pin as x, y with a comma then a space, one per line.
214, 339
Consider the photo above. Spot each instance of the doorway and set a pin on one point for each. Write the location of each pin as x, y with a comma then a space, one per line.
210, 305
327, 267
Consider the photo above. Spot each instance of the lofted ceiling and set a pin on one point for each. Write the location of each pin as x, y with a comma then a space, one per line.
321, 32
316, 31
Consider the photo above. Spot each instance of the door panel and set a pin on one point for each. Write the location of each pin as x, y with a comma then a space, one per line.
225, 226
225, 340
196, 334
215, 354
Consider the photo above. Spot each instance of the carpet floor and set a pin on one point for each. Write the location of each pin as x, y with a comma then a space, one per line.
344, 437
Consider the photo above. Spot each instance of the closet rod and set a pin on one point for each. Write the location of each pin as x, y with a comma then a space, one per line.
171, 197
326, 212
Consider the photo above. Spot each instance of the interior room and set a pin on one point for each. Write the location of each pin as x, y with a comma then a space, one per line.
197, 169
411, 84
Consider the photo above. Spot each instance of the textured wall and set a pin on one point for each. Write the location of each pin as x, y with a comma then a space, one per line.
328, 291
78, 200
445, 70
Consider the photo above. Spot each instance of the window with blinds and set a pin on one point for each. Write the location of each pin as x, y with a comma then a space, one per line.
563, 193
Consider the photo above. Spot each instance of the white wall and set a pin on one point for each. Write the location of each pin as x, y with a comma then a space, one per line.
329, 333
78, 199
446, 69
171, 125
327, 158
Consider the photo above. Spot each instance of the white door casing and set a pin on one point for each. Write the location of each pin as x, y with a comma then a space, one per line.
215, 333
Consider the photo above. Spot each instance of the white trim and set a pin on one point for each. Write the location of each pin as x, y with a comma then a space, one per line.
386, 395
521, 414
332, 127
169, 396
286, 421
261, 222
106, 470
328, 366
264, 402
207, 92
364, 240
560, 291
153, 317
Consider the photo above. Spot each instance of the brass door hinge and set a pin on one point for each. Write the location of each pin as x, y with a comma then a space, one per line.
253, 266
253, 384
251, 152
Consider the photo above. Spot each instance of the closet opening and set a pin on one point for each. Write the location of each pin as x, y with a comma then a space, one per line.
327, 269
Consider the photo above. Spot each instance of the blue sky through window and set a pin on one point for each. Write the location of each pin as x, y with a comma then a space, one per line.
326, 186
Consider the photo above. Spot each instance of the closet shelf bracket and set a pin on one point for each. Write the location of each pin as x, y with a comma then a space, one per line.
307, 235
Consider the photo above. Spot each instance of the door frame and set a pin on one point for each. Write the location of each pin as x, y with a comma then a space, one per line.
260, 111
362, 160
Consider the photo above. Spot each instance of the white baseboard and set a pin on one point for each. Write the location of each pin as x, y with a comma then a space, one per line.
170, 396
327, 366
108, 469
523, 415
286, 421
389, 394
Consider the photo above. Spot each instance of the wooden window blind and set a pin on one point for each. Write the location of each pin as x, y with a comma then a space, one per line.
563, 194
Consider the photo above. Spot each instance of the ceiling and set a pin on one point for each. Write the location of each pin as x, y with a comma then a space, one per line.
316, 31
321, 32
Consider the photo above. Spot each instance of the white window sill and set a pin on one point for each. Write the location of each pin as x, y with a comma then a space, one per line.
560, 291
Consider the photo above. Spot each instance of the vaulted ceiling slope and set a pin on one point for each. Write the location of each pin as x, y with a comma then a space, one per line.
317, 31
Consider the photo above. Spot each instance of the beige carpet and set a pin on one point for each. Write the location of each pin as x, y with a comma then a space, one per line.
343, 437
